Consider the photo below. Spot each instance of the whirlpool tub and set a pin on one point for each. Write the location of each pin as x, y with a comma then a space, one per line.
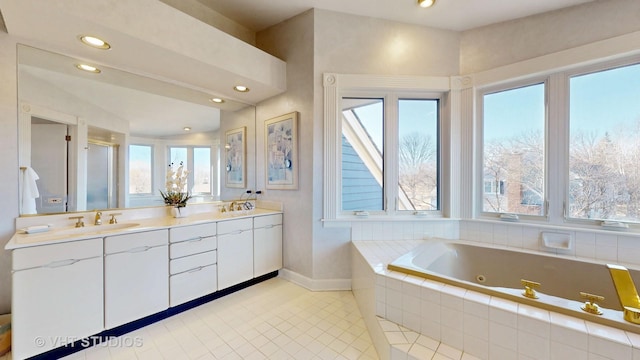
498, 272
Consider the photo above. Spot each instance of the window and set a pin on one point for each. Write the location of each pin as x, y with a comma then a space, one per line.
513, 162
604, 145
197, 160
362, 153
365, 119
202, 170
366, 122
140, 169
586, 155
418, 154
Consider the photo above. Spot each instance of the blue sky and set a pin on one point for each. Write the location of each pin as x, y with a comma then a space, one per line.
415, 115
599, 102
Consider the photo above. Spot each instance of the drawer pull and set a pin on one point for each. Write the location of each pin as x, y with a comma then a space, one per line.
195, 239
139, 249
196, 269
61, 263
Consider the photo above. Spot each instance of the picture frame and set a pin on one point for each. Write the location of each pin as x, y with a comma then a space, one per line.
235, 166
281, 152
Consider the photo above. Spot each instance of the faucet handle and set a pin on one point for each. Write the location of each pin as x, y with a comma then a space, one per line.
80, 222
113, 219
590, 306
529, 288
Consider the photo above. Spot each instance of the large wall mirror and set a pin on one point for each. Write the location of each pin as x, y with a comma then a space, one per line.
102, 139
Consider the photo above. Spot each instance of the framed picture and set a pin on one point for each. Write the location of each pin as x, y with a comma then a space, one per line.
235, 158
281, 151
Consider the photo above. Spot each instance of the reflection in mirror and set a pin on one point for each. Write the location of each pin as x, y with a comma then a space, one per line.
95, 141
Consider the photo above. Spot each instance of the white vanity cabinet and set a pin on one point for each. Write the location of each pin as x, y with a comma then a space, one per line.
235, 252
192, 265
136, 276
267, 244
57, 295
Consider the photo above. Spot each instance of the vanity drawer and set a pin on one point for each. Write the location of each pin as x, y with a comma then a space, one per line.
193, 284
191, 232
192, 246
232, 226
135, 241
56, 254
192, 262
267, 221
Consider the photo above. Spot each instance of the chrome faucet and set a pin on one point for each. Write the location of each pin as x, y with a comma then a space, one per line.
98, 220
627, 293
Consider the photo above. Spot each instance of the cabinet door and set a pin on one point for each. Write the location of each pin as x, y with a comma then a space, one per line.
137, 279
57, 304
235, 258
267, 244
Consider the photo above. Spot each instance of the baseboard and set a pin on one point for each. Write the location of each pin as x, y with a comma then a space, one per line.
315, 284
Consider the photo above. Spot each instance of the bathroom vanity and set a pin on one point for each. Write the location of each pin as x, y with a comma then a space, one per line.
70, 284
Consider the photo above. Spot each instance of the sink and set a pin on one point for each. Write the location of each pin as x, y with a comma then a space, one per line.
96, 228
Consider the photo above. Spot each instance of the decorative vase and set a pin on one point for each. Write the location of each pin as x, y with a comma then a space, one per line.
178, 212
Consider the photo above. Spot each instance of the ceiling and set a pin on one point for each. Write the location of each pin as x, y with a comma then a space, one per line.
32, 18
455, 15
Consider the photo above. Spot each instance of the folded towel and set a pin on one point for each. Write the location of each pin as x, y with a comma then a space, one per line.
29, 191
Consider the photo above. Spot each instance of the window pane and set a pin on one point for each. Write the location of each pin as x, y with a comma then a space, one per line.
604, 147
140, 169
513, 150
202, 170
362, 144
179, 155
418, 155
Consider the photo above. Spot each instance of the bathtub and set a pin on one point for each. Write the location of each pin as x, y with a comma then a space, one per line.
497, 272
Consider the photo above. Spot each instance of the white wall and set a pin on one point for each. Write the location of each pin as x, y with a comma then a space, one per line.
8, 161
361, 45
293, 42
512, 41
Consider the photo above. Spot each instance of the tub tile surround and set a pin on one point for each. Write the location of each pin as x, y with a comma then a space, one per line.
621, 247
482, 326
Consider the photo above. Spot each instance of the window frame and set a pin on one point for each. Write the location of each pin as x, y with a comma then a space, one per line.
596, 67
557, 139
479, 155
337, 86
189, 166
390, 152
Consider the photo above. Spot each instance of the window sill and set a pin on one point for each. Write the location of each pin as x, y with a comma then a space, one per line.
346, 221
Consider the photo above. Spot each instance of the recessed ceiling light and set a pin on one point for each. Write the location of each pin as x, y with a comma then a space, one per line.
186, 128
241, 88
216, 100
95, 42
88, 68
426, 3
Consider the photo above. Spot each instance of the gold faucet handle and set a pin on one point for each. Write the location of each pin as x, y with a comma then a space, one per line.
113, 219
590, 306
79, 223
529, 288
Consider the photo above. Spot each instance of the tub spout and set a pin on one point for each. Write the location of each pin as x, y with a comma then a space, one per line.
627, 293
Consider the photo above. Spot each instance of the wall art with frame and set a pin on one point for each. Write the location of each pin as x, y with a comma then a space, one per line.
236, 158
281, 152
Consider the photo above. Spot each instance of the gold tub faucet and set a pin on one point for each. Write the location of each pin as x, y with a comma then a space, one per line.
529, 288
590, 306
627, 293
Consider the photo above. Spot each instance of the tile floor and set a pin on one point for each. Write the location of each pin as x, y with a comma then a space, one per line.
275, 319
